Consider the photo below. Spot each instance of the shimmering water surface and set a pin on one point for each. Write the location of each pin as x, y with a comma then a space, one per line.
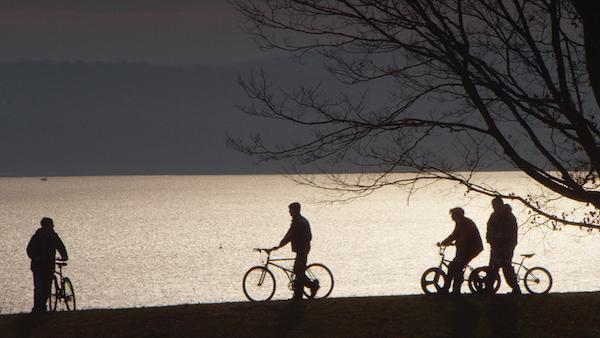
158, 240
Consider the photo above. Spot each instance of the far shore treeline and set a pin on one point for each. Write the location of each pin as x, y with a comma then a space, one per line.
80, 119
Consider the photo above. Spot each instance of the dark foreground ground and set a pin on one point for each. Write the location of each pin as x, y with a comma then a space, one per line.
556, 315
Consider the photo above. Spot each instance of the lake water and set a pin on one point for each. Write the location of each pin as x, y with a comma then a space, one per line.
158, 240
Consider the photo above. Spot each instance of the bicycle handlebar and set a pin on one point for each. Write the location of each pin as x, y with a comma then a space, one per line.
442, 248
262, 249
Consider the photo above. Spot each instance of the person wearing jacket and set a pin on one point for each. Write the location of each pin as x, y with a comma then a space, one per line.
502, 231
468, 246
300, 236
42, 250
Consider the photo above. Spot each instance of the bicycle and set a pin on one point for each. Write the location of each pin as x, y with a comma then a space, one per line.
62, 291
434, 278
537, 280
259, 282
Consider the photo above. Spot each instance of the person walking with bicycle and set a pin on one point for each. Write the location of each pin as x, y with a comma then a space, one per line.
468, 246
300, 236
41, 249
502, 232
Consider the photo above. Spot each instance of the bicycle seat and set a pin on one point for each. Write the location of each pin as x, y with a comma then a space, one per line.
527, 255
61, 264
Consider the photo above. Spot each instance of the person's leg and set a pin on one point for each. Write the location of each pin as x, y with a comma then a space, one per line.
299, 267
491, 277
42, 282
37, 291
492, 271
456, 273
449, 278
306, 282
508, 270
511, 277
48, 278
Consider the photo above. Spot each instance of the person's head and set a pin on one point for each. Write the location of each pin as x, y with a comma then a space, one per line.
294, 209
47, 223
457, 214
497, 203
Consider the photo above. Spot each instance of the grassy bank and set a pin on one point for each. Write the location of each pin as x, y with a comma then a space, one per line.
554, 315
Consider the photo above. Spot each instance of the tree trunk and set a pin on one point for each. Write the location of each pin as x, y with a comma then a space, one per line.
589, 10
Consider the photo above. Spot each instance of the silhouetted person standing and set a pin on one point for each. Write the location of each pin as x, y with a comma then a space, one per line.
468, 246
502, 233
300, 236
42, 250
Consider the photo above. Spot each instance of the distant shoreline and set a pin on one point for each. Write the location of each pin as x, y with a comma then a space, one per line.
265, 173
552, 315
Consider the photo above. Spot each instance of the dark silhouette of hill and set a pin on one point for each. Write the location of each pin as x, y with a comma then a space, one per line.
61, 118
555, 315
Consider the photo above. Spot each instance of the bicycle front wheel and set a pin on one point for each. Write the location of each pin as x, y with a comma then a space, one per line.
537, 280
54, 294
433, 280
319, 273
259, 284
69, 295
477, 279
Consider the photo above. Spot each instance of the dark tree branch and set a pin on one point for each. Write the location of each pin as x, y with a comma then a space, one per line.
508, 79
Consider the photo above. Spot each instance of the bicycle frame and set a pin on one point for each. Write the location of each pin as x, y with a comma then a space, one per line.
520, 266
62, 291
259, 282
446, 262
59, 276
288, 272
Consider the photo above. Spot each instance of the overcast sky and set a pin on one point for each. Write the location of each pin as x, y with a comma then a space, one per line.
173, 32
65, 118
97, 118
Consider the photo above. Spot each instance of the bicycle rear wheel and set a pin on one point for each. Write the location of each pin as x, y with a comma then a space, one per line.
537, 280
433, 280
319, 273
477, 279
259, 284
54, 294
69, 295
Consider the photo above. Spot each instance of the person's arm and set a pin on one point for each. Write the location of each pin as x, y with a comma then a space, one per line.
514, 228
285, 240
488, 231
60, 246
451, 238
31, 248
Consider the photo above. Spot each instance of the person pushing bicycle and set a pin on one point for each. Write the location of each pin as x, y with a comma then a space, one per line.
42, 250
300, 236
502, 230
